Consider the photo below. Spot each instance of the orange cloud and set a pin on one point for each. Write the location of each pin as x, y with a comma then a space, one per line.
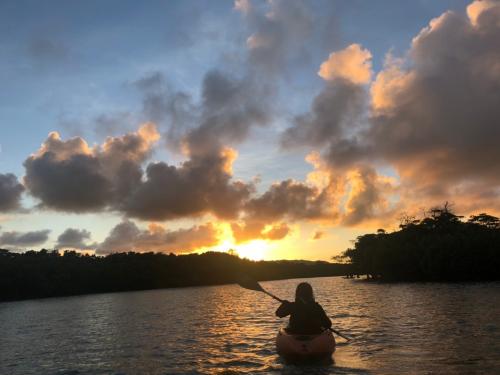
126, 236
258, 229
276, 232
352, 63
388, 84
476, 8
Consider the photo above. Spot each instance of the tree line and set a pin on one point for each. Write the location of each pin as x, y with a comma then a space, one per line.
36, 274
442, 246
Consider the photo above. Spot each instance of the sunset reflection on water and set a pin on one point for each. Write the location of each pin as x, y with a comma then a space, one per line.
401, 328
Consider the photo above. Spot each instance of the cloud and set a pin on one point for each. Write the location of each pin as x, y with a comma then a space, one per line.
22, 240
352, 63
10, 192
258, 229
276, 232
367, 197
198, 186
280, 32
335, 111
318, 234
173, 111
291, 199
126, 236
478, 7
71, 176
431, 117
75, 239
436, 121
339, 111
263, 216
243, 6
388, 84
229, 108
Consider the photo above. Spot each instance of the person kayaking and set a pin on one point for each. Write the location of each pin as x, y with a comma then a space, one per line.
307, 317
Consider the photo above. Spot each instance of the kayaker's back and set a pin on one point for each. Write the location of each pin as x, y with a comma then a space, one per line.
305, 318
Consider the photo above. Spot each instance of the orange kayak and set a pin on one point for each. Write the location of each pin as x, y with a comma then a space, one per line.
305, 347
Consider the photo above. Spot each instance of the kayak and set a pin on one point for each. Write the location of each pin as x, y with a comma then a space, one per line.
294, 347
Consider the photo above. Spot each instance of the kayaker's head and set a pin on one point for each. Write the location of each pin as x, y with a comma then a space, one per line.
304, 293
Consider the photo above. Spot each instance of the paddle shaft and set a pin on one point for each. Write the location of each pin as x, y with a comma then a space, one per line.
272, 295
340, 334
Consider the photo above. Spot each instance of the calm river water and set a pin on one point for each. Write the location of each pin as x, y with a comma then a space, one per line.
398, 329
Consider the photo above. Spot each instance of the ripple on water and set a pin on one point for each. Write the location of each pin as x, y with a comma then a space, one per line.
397, 328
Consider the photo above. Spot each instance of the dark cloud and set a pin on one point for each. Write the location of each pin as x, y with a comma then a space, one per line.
22, 240
70, 176
335, 112
339, 112
289, 199
10, 192
126, 236
262, 216
198, 186
279, 32
173, 111
74, 184
75, 239
230, 107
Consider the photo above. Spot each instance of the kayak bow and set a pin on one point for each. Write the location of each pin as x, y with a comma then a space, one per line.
295, 347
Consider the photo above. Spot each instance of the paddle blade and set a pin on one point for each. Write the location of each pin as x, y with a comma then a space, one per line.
249, 283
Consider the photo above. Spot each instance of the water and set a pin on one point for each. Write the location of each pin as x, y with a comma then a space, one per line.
398, 328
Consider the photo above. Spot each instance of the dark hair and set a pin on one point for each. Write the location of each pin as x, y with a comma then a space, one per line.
304, 293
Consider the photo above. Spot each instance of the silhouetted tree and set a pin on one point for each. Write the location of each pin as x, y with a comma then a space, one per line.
439, 247
45, 273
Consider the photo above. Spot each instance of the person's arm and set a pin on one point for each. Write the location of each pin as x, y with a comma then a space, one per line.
284, 309
324, 319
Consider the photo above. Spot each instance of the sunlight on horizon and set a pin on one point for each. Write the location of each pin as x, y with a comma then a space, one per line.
252, 250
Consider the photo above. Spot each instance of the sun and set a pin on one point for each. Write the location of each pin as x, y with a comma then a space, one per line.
257, 249
253, 250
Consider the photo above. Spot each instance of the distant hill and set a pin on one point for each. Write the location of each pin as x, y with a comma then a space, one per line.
36, 274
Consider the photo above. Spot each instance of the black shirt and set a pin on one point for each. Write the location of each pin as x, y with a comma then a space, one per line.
305, 318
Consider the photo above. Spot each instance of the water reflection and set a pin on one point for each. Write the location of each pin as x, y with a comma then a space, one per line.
404, 328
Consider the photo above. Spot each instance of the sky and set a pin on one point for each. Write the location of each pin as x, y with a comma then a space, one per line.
280, 129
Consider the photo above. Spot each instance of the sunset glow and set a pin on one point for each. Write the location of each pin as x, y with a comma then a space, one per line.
250, 186
283, 139
253, 250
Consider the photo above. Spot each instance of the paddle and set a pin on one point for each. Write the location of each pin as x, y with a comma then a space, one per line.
248, 283
340, 334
